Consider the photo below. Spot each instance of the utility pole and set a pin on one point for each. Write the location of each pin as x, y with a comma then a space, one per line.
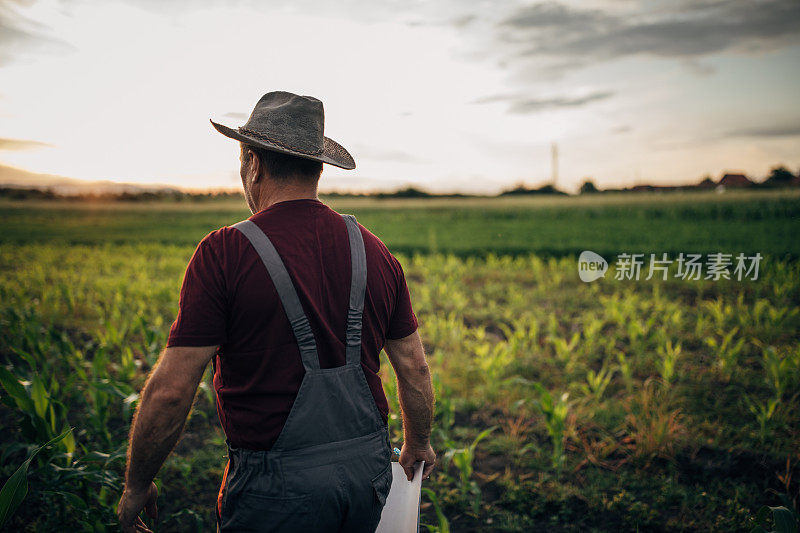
555, 165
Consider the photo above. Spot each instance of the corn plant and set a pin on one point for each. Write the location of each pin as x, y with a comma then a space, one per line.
128, 367
593, 341
767, 317
701, 325
443, 525
669, 356
110, 334
637, 334
152, 337
763, 412
597, 382
16, 487
565, 348
624, 367
675, 319
781, 370
105, 394
463, 458
493, 361
727, 350
555, 419
521, 336
44, 417
719, 311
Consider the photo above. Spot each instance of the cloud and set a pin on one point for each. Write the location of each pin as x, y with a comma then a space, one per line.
463, 21
236, 115
769, 131
17, 176
386, 154
21, 144
523, 105
699, 68
554, 15
19, 34
684, 30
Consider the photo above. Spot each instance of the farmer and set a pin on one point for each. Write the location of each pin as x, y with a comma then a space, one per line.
292, 307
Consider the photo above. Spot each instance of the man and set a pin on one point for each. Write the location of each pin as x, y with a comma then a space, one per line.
293, 307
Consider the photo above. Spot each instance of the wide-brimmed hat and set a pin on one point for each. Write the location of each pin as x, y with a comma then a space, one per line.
290, 124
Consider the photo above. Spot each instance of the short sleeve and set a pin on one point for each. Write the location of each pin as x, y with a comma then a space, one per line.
403, 322
202, 308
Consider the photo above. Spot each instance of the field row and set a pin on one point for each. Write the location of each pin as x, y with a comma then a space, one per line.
766, 222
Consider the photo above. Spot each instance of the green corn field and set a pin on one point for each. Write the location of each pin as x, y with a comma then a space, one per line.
616, 405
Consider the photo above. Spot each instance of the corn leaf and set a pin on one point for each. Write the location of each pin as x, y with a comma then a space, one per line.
16, 488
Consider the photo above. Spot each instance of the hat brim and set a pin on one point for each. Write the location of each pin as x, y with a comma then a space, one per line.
333, 153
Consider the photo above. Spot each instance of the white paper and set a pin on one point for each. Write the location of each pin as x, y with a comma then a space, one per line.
401, 512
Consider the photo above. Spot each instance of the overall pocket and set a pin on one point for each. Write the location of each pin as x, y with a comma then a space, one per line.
382, 484
254, 511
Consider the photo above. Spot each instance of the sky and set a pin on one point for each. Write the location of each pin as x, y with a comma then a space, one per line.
452, 95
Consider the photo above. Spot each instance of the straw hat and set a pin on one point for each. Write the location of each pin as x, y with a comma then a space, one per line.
291, 124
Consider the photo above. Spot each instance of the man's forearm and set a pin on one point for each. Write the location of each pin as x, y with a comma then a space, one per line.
415, 393
157, 425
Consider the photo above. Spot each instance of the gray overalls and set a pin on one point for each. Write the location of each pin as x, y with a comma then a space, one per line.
329, 469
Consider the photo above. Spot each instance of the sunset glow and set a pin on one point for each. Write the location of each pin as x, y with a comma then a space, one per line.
465, 96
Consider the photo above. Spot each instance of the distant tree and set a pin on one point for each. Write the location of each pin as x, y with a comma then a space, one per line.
19, 193
523, 190
548, 189
707, 183
780, 175
588, 187
520, 188
408, 192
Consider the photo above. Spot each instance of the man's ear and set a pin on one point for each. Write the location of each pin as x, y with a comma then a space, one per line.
255, 167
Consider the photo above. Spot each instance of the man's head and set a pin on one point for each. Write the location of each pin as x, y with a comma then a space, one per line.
264, 172
283, 148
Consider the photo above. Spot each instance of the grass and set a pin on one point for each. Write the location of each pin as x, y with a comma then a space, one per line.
565, 406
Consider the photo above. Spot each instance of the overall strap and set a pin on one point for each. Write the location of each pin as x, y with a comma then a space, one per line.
358, 286
288, 296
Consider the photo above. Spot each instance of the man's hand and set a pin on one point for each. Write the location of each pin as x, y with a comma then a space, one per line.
410, 455
131, 504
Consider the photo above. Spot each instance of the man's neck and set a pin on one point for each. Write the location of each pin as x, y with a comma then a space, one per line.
285, 193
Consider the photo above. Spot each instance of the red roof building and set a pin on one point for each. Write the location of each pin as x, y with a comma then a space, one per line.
735, 180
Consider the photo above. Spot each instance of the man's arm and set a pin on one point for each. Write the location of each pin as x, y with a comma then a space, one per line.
165, 403
415, 392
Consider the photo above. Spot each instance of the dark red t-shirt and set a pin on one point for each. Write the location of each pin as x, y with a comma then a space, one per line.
228, 299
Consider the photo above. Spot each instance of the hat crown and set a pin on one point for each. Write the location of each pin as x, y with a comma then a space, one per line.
290, 124
294, 121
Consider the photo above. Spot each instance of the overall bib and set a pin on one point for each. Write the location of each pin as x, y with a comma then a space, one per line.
329, 469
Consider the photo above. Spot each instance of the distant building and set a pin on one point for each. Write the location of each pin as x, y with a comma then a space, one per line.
734, 180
